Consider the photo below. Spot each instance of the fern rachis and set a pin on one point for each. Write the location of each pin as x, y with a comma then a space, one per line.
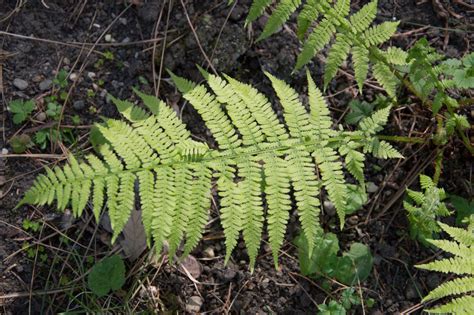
175, 173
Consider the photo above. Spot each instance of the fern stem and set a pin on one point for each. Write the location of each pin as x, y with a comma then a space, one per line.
403, 139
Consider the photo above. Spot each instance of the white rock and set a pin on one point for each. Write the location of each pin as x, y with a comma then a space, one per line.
194, 304
73, 76
4, 151
108, 38
329, 207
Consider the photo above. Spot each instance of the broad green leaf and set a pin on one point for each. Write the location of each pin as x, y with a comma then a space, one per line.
464, 208
107, 275
323, 256
355, 265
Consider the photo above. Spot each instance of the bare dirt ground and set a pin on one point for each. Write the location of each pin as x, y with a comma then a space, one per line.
112, 46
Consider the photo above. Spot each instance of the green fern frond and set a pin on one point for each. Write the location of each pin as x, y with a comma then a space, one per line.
424, 208
362, 19
457, 249
395, 56
277, 189
454, 287
459, 235
360, 58
333, 179
257, 160
379, 34
354, 160
281, 14
354, 33
336, 57
316, 41
373, 124
462, 306
462, 264
386, 78
426, 182
256, 10
309, 14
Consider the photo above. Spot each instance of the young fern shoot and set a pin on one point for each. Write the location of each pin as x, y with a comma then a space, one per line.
256, 163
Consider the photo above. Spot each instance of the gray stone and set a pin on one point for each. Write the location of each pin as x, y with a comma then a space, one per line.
20, 84
194, 304
79, 105
45, 84
229, 274
371, 187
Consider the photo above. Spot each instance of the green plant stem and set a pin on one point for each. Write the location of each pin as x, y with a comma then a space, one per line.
438, 165
403, 139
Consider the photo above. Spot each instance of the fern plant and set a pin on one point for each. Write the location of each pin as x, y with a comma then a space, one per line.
432, 79
432, 76
424, 208
353, 34
462, 263
257, 161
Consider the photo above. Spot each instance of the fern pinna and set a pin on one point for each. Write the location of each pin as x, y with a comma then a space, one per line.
257, 162
462, 248
352, 34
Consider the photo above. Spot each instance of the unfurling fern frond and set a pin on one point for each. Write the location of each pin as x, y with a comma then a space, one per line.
461, 264
256, 162
353, 34
424, 208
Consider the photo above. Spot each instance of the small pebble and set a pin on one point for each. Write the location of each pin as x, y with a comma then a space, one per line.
91, 75
41, 116
45, 84
4, 151
108, 38
79, 105
229, 274
123, 21
20, 84
329, 207
66, 61
371, 187
73, 76
194, 304
209, 252
37, 78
